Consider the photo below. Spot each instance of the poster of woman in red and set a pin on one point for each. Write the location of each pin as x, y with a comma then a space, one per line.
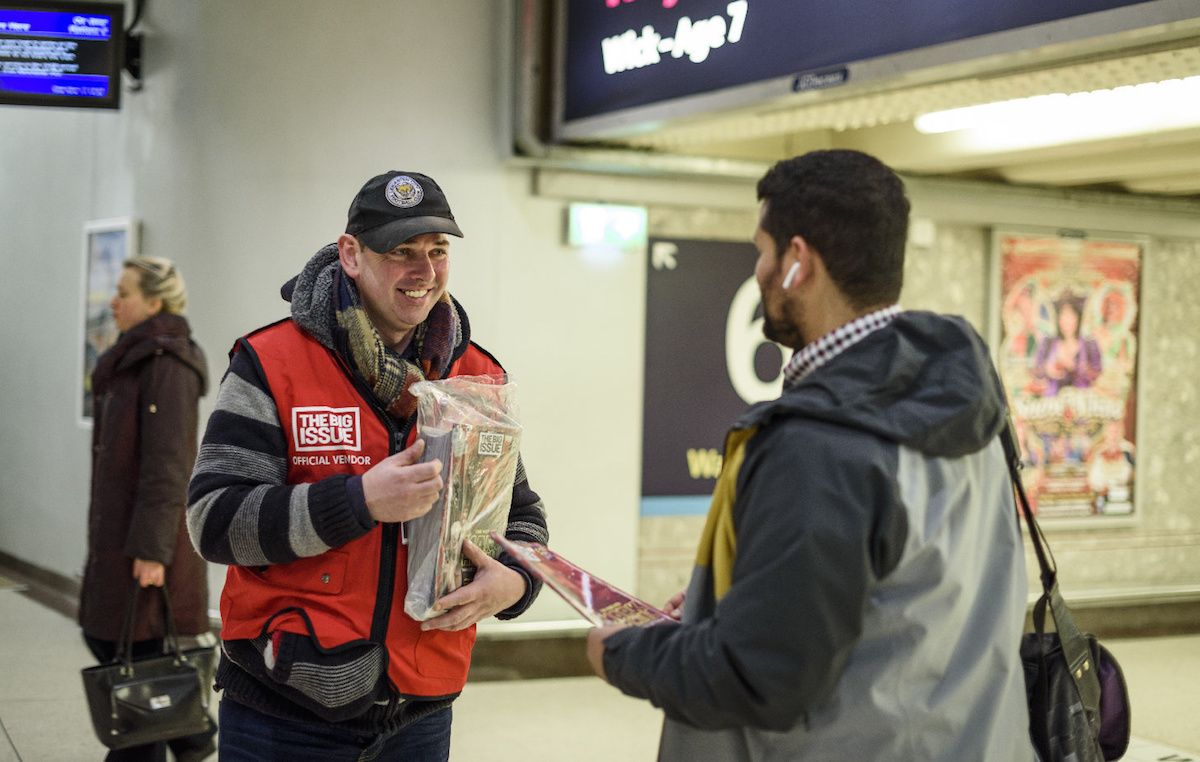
1068, 359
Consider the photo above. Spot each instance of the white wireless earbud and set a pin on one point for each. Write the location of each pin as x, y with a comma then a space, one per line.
791, 275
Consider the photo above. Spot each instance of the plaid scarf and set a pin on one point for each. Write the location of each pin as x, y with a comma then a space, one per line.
326, 303
387, 373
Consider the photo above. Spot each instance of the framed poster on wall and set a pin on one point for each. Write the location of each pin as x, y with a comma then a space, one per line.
106, 246
1066, 339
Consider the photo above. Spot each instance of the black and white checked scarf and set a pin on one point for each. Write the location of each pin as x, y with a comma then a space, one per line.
815, 354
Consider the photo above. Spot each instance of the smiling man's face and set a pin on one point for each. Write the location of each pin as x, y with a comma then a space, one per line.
400, 287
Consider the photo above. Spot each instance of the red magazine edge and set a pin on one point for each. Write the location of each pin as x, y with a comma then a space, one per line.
619, 607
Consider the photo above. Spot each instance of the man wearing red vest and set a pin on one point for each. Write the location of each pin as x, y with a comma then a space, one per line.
307, 471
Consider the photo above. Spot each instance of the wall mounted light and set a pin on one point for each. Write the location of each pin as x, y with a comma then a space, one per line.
1071, 117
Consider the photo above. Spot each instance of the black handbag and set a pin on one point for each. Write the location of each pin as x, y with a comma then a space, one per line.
156, 698
1078, 703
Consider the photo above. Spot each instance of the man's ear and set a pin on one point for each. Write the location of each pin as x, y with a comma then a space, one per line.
801, 254
348, 253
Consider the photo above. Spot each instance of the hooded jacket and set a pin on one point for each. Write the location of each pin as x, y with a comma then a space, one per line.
860, 589
146, 389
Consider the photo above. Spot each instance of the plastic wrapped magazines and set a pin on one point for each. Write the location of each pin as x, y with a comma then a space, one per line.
469, 423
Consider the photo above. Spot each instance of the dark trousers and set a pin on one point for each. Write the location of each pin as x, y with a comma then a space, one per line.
106, 651
251, 736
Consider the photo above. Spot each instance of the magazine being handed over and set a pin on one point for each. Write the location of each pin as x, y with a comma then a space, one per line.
599, 602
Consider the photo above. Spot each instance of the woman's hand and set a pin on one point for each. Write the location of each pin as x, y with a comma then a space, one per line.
149, 573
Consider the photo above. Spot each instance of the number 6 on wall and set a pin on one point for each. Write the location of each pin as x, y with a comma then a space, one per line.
743, 337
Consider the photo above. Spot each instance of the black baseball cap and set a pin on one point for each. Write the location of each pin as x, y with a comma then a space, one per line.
393, 207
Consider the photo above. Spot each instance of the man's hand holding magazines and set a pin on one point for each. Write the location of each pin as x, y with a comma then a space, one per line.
494, 588
400, 487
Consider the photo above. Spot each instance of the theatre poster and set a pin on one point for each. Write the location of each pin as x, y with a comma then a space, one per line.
1067, 354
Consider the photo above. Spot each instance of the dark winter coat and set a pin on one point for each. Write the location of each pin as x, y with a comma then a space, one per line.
146, 389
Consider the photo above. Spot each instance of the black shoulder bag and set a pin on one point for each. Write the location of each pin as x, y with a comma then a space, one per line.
150, 699
1078, 704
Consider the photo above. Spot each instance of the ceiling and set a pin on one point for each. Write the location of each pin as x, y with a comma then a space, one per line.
878, 118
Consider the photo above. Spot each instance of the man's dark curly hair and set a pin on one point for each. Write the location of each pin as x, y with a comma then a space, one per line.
851, 208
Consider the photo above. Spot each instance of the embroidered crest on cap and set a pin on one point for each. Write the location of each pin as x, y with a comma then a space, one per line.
403, 191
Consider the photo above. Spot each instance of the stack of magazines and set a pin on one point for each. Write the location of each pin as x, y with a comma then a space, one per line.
469, 424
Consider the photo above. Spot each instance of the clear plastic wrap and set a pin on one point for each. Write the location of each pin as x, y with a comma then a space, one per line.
469, 423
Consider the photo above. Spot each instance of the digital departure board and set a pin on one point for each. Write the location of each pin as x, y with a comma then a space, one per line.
622, 56
61, 54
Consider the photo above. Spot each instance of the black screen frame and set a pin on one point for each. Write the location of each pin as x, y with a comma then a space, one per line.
647, 100
114, 58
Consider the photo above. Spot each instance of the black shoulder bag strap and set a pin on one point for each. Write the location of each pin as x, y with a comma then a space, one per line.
1074, 644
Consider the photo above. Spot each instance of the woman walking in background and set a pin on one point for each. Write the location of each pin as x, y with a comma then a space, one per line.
147, 388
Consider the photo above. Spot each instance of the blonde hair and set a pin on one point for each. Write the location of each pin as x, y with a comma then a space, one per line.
158, 278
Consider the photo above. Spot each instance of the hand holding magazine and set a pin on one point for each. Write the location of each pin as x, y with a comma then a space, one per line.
597, 601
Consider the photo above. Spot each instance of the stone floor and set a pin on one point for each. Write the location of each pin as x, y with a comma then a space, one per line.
43, 717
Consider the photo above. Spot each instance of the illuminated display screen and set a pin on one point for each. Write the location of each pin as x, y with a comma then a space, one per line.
61, 54
621, 54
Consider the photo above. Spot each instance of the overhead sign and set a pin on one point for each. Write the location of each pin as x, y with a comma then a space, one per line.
625, 54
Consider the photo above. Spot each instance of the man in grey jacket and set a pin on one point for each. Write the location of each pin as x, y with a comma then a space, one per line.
859, 590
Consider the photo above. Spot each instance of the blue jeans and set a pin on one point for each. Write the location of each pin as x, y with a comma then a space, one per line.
251, 736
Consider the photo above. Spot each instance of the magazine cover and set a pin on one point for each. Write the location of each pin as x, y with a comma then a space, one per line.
599, 602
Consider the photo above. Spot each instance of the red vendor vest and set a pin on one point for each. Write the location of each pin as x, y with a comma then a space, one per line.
332, 429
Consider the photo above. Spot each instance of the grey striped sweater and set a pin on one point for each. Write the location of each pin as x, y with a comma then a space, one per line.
242, 512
